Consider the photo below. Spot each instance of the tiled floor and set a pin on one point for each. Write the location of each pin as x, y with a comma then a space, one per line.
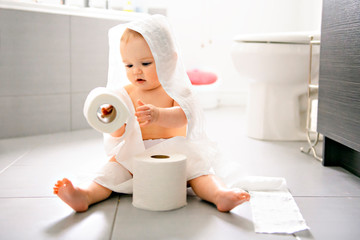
329, 198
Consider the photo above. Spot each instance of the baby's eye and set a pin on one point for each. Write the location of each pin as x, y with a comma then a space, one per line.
146, 63
128, 65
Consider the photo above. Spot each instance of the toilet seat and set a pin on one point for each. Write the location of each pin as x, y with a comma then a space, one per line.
278, 38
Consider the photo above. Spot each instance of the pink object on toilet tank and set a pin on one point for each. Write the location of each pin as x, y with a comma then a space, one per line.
198, 77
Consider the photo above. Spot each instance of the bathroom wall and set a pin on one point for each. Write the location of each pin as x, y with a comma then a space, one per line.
49, 62
205, 29
48, 65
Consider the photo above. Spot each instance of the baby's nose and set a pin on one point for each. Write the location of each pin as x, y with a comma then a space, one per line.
137, 70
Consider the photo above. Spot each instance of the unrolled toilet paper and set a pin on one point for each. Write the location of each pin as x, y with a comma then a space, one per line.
98, 98
273, 208
256, 183
159, 182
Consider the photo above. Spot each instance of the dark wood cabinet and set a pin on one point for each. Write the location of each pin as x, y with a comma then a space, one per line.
339, 84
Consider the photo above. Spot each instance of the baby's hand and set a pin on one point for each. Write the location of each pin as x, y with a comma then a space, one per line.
106, 110
146, 113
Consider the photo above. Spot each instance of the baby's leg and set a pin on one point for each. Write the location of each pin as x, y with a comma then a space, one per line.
211, 189
80, 199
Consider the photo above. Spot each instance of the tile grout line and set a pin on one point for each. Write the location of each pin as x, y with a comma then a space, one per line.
113, 224
46, 94
15, 161
34, 197
347, 196
70, 72
21, 156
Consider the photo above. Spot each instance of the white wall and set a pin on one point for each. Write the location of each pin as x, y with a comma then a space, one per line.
205, 29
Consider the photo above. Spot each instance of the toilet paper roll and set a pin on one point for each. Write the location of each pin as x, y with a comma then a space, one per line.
159, 182
98, 98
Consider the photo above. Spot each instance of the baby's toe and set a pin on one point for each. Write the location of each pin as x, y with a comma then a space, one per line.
66, 181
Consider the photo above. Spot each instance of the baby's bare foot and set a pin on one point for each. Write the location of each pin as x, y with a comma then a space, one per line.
73, 196
228, 199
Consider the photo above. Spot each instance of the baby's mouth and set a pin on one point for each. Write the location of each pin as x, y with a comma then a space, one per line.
140, 80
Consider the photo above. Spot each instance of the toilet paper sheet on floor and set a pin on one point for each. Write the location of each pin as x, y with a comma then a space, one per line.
273, 208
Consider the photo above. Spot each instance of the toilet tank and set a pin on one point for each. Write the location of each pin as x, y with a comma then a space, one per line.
275, 57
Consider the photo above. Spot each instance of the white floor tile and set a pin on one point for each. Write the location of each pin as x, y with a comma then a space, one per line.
328, 197
49, 218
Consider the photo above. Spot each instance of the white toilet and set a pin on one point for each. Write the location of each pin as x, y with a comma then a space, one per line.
276, 67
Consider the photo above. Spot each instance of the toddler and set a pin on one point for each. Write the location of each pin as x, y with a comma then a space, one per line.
165, 116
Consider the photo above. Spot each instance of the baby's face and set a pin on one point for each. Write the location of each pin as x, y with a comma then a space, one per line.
139, 63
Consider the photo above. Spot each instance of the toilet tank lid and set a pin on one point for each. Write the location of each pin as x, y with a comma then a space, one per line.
280, 37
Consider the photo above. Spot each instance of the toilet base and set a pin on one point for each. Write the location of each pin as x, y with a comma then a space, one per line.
276, 112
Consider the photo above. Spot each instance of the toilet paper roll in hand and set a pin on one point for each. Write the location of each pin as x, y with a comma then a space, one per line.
159, 182
99, 98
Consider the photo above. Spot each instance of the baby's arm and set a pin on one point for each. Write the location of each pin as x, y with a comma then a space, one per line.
119, 132
173, 117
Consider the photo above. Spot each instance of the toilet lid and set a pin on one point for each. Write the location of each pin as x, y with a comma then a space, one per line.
280, 37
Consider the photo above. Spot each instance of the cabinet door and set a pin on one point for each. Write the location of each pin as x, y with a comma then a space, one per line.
339, 85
